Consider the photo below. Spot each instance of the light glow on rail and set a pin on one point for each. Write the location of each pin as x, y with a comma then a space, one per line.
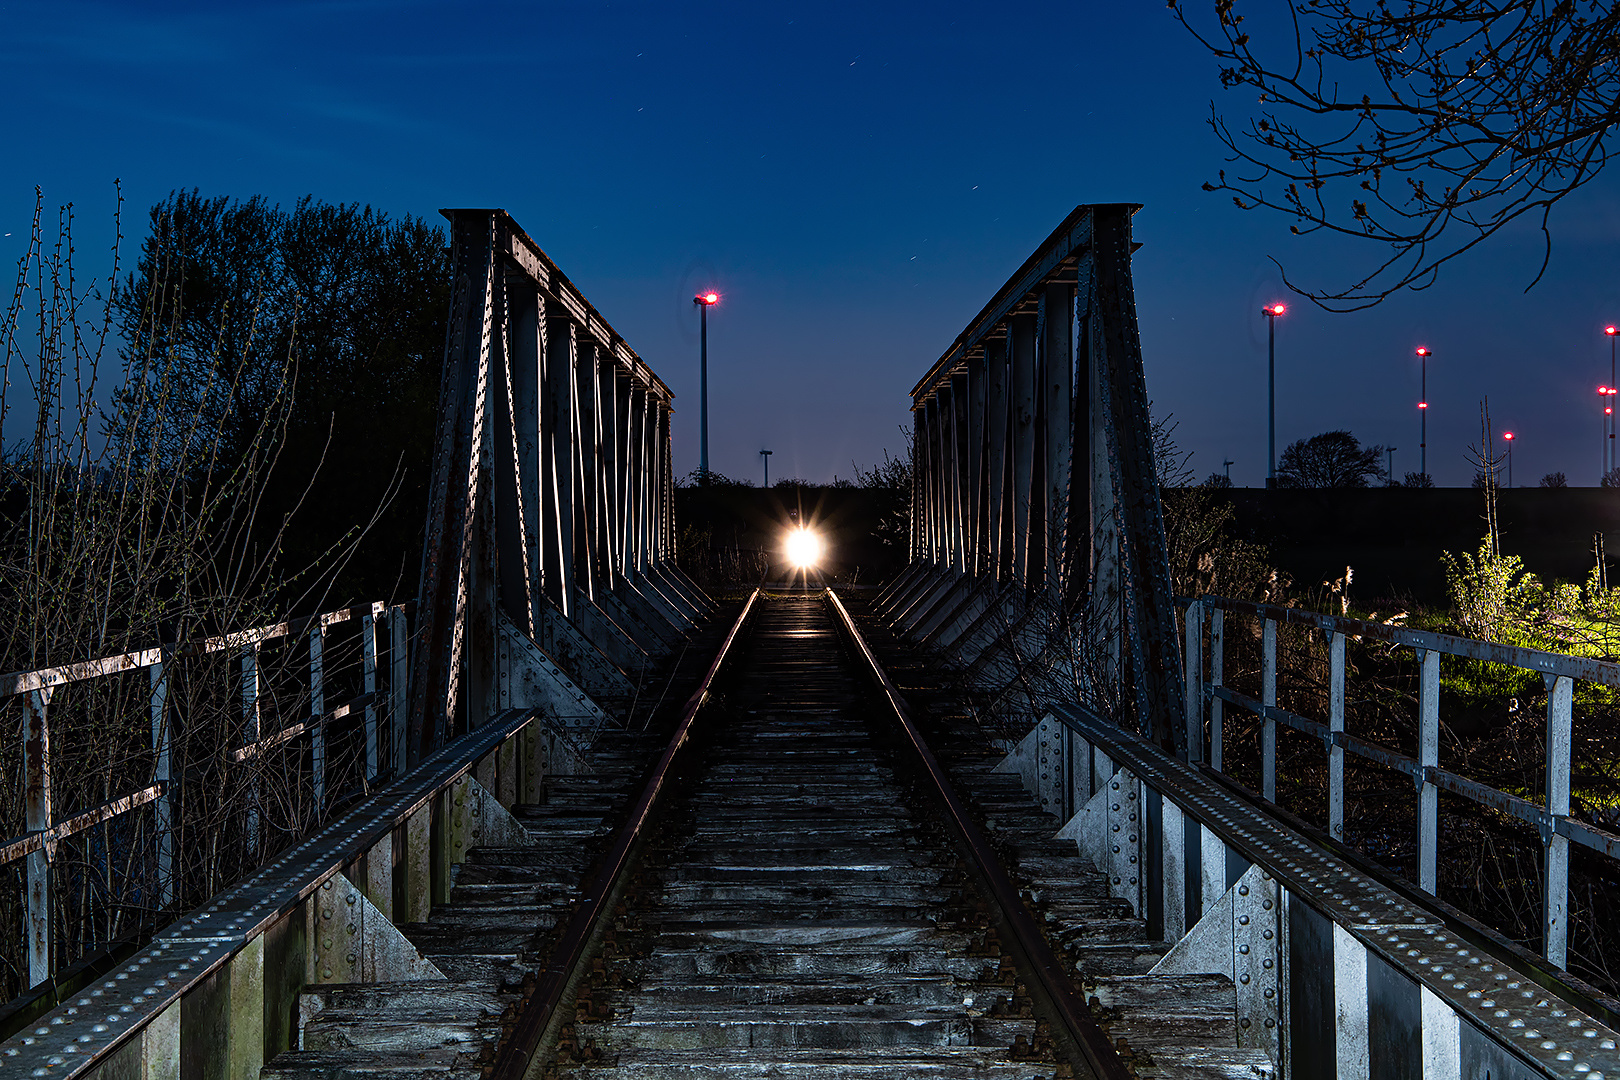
803, 548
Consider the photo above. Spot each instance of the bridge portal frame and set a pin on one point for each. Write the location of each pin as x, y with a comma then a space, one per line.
551, 505
1035, 494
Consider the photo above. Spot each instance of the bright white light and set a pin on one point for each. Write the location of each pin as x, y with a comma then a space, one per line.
803, 548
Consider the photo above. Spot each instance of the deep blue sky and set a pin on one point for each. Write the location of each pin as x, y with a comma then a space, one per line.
857, 180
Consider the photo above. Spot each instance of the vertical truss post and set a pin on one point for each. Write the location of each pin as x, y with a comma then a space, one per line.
368, 672
930, 452
251, 733
1555, 901
37, 796
1107, 601
1193, 662
526, 334
1268, 697
608, 394
1057, 392
998, 522
1428, 757
1336, 646
505, 452
635, 495
162, 755
1035, 554
398, 688
1149, 603
976, 457
450, 548
922, 483
587, 419
1217, 678
559, 423
1021, 334
961, 478
317, 715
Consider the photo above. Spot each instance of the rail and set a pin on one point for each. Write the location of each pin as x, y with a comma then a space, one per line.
44, 831
1551, 818
516, 1054
1068, 1005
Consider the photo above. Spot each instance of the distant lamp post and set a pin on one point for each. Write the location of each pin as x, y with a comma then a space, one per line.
1227, 465
1271, 313
765, 456
1614, 380
1507, 437
1424, 353
1389, 470
1606, 395
704, 302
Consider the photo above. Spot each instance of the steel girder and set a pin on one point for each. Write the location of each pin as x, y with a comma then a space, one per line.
1033, 470
551, 504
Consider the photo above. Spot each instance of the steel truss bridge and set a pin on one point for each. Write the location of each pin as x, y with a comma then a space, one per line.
1017, 814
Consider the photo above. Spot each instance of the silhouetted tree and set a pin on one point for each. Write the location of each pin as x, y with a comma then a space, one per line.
1218, 480
1424, 126
1417, 480
355, 303
1555, 480
1333, 459
1611, 479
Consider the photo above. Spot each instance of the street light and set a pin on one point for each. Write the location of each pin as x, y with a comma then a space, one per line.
1606, 395
1508, 437
1271, 313
1389, 470
1614, 380
1423, 406
704, 302
765, 456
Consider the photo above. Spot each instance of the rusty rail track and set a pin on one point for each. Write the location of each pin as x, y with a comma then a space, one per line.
518, 1052
1065, 1003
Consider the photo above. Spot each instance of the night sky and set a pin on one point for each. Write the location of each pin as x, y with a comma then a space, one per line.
855, 180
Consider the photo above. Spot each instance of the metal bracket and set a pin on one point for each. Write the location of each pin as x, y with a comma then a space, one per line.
352, 942
529, 679
1241, 938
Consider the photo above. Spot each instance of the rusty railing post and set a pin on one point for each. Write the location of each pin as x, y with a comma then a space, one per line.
37, 793
1555, 881
163, 808
368, 661
1268, 698
317, 713
251, 733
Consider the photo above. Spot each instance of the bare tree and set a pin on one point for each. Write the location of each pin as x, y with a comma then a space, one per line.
1333, 459
1424, 126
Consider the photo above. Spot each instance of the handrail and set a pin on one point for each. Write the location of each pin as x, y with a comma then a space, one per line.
1552, 819
1067, 1002
1544, 1034
21, 682
516, 1054
188, 952
1604, 672
43, 831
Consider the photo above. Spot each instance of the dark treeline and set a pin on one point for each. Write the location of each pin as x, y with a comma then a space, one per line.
330, 320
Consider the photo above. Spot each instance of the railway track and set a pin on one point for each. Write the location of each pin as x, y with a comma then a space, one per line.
796, 887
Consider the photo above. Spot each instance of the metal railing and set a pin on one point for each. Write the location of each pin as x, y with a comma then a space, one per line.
1552, 818
262, 731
